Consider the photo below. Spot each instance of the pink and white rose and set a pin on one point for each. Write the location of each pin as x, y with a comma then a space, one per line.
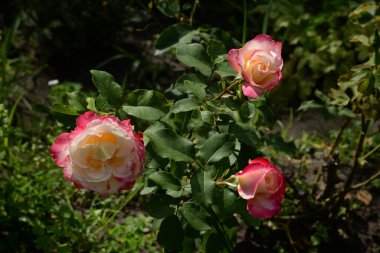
260, 63
263, 186
101, 154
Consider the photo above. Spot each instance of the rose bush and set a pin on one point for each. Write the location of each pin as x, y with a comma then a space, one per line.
197, 137
101, 154
260, 63
263, 186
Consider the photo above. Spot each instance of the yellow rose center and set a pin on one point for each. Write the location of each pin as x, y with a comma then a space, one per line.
103, 150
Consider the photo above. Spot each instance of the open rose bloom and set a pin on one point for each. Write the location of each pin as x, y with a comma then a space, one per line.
263, 186
260, 63
101, 154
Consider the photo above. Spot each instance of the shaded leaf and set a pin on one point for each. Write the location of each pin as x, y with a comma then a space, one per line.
202, 187
107, 87
217, 147
185, 105
195, 215
194, 55
143, 112
159, 206
169, 145
224, 69
198, 89
171, 234
173, 36
166, 180
245, 133
169, 8
77, 101
64, 114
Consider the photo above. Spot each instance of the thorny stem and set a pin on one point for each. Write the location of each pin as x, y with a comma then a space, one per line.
371, 152
331, 165
339, 137
234, 83
315, 183
289, 235
244, 23
196, 2
355, 187
354, 168
365, 182
266, 18
359, 149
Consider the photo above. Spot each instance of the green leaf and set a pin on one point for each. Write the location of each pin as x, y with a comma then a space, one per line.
102, 104
224, 37
217, 147
307, 105
169, 145
107, 87
198, 89
280, 145
224, 69
368, 86
143, 112
77, 101
169, 8
202, 187
174, 36
146, 104
185, 105
360, 38
195, 215
245, 133
201, 121
247, 110
376, 46
224, 203
195, 78
159, 206
64, 114
217, 51
338, 97
166, 180
91, 104
148, 98
214, 242
171, 234
194, 55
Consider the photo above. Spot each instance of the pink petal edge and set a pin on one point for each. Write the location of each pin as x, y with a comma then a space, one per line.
233, 55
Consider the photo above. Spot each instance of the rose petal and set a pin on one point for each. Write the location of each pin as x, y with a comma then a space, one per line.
233, 55
86, 118
264, 206
250, 91
261, 160
250, 179
263, 42
59, 150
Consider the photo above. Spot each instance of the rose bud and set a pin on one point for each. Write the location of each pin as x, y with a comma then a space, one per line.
260, 63
101, 154
263, 186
